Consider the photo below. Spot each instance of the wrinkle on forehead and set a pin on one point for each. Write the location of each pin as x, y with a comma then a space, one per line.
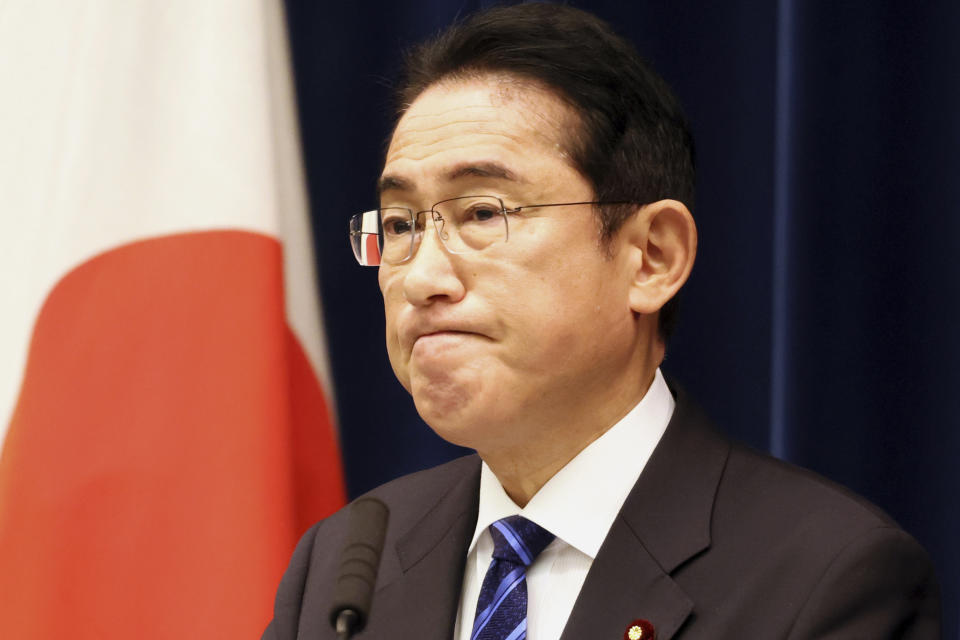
543, 114
414, 147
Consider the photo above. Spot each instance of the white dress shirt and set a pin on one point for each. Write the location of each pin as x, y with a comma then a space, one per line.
578, 505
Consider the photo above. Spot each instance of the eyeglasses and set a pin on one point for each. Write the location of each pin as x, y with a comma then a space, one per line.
466, 224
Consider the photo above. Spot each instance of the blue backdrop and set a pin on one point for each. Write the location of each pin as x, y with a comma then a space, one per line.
821, 319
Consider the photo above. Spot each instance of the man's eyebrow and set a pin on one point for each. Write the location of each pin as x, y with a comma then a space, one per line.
390, 182
393, 183
483, 170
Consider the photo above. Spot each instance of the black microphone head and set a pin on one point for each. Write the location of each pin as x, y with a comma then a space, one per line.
360, 560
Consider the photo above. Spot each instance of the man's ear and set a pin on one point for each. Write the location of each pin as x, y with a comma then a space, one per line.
664, 237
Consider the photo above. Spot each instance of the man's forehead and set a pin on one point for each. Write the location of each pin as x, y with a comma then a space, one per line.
435, 118
494, 110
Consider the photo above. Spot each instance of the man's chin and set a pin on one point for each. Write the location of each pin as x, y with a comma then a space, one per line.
444, 358
452, 415
438, 404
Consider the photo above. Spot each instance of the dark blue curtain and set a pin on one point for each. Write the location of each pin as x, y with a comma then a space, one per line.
821, 320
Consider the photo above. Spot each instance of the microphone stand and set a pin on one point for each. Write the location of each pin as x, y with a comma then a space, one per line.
346, 624
359, 561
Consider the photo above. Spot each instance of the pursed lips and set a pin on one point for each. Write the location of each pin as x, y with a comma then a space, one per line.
410, 336
440, 333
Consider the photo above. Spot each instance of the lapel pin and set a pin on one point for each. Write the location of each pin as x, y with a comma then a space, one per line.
639, 630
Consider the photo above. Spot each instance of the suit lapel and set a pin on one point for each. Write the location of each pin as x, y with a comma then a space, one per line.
623, 586
430, 559
664, 522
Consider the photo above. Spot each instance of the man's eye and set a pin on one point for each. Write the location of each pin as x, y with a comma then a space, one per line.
396, 226
481, 213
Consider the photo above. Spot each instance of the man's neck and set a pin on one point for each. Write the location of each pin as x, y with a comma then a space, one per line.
524, 468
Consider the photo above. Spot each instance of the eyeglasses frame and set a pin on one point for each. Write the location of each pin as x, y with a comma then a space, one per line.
437, 218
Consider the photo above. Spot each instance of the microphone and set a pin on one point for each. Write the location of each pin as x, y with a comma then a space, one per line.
359, 562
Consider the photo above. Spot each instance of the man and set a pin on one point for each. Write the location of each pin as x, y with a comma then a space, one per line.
532, 234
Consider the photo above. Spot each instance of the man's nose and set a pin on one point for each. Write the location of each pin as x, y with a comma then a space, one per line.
431, 274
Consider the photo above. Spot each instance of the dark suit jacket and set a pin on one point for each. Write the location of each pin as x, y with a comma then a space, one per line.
715, 541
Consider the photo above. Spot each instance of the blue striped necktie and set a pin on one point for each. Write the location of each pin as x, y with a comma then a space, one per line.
502, 606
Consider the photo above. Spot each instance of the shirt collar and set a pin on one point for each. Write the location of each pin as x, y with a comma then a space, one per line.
580, 502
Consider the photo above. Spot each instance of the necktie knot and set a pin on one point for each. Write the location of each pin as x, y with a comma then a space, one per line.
518, 540
502, 605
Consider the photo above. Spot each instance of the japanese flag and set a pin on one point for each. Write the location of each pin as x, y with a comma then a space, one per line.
165, 406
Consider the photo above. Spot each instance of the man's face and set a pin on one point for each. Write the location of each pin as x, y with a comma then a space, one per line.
499, 346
